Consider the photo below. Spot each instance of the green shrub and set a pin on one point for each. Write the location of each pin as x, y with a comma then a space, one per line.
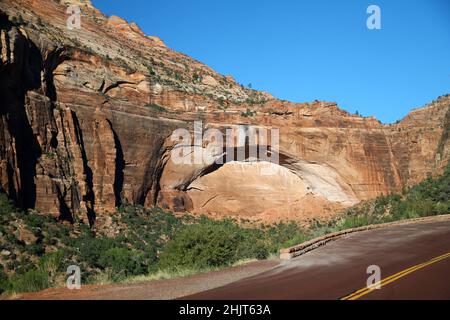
33, 280
123, 262
208, 244
203, 245
248, 113
36, 278
249, 249
353, 222
36, 249
37, 220
151, 71
284, 235
53, 263
4, 286
91, 248
6, 205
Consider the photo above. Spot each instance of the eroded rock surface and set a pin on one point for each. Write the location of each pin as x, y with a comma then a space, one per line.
87, 116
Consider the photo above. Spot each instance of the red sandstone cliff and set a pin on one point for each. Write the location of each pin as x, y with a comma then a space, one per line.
79, 135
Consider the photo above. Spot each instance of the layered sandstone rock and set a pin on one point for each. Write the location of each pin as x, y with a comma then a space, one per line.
87, 117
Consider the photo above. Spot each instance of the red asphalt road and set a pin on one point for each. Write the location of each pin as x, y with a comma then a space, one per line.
340, 268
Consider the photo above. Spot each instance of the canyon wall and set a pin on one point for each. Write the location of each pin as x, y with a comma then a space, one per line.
86, 119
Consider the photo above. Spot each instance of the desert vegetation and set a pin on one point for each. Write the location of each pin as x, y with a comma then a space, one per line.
248, 113
36, 249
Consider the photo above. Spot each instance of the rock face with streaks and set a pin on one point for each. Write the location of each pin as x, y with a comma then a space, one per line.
87, 117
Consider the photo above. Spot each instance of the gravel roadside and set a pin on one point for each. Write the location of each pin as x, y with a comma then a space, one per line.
157, 289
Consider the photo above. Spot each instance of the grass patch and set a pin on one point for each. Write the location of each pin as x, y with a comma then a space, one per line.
33, 280
174, 273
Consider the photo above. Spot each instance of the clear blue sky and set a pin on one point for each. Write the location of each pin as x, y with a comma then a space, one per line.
306, 50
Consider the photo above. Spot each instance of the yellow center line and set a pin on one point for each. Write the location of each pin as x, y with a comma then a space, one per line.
397, 275
364, 291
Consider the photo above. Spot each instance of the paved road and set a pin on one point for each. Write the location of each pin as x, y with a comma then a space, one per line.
404, 253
